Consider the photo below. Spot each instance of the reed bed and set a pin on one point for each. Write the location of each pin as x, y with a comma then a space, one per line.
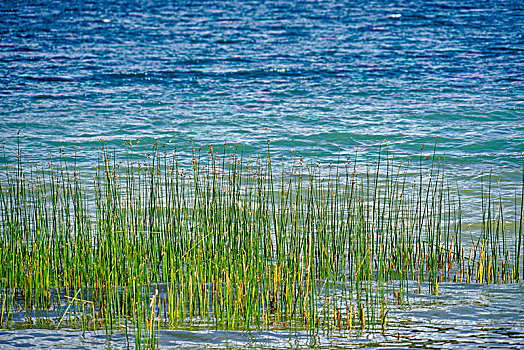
232, 241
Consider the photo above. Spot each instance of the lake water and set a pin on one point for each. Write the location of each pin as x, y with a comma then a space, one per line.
461, 316
313, 77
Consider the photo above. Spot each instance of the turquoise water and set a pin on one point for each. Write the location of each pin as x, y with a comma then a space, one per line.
318, 76
313, 77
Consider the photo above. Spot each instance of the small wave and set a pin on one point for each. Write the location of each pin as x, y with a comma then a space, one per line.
63, 78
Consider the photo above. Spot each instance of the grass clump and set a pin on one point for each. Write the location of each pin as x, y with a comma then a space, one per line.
228, 241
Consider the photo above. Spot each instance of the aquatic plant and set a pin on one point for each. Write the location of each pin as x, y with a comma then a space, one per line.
231, 241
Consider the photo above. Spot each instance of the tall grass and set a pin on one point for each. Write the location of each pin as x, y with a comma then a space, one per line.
232, 241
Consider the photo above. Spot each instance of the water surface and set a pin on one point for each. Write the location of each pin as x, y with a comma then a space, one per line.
313, 77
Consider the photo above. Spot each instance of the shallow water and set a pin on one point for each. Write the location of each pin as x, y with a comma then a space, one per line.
462, 315
319, 76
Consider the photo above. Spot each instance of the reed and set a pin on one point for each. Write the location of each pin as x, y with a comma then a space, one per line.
225, 240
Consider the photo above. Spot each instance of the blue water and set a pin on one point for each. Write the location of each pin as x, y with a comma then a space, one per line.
318, 75
312, 76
